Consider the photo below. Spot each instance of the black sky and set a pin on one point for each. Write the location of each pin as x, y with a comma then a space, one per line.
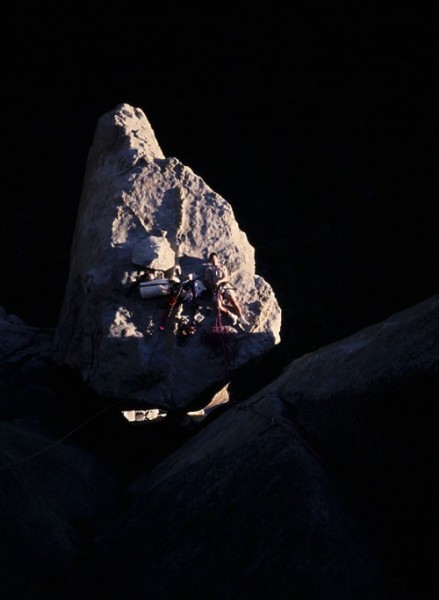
318, 126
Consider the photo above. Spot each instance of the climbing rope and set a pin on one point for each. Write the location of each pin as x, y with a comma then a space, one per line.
219, 339
59, 441
225, 347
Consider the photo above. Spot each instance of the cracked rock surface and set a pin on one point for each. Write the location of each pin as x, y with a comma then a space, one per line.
133, 197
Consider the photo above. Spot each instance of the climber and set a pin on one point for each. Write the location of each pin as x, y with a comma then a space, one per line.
216, 280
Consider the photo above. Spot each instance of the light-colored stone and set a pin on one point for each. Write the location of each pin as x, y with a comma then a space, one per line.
131, 195
155, 252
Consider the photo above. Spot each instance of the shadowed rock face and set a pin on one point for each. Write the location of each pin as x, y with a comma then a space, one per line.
323, 485
52, 500
242, 511
134, 196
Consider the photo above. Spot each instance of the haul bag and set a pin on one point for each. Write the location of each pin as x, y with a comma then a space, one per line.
154, 288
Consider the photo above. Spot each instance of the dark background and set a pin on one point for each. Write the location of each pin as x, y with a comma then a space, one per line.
318, 126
